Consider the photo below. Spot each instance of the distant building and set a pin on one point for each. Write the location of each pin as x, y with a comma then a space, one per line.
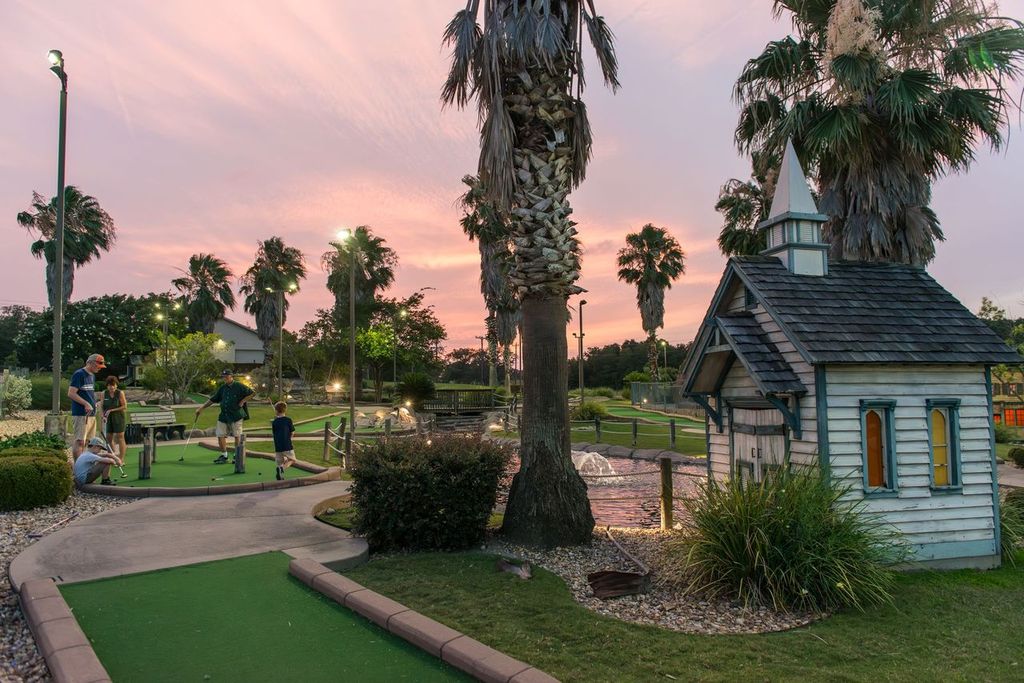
242, 349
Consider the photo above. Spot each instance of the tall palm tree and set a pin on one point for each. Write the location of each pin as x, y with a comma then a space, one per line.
486, 225
375, 271
275, 272
882, 97
651, 260
745, 203
524, 68
206, 290
88, 231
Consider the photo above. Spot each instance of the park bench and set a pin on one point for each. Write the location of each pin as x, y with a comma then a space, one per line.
160, 421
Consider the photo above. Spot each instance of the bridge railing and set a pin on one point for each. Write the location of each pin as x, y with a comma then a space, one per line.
459, 401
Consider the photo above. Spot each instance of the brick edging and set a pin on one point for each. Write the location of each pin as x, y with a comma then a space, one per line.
332, 474
471, 656
62, 643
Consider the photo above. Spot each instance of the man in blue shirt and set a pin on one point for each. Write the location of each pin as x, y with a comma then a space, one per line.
82, 393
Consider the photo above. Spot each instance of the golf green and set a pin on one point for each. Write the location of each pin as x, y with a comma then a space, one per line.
243, 619
196, 470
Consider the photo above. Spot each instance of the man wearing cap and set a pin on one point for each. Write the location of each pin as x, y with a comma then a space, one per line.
231, 396
83, 402
94, 462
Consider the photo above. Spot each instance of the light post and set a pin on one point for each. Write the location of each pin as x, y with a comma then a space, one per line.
579, 359
344, 236
483, 357
164, 319
394, 359
280, 336
664, 347
54, 424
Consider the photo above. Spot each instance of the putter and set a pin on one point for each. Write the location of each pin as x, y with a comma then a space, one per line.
39, 534
189, 439
111, 449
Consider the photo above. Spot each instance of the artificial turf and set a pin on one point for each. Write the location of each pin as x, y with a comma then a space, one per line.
196, 470
243, 619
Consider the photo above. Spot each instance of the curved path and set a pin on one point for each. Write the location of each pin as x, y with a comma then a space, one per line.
156, 533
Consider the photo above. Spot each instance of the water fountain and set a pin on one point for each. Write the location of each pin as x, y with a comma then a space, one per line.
592, 464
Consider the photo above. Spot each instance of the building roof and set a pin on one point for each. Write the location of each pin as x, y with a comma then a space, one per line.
792, 196
870, 313
761, 358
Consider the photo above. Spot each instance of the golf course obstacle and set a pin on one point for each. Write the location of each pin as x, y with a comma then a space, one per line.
240, 455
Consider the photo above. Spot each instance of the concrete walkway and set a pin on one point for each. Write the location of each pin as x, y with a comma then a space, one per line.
1010, 476
168, 532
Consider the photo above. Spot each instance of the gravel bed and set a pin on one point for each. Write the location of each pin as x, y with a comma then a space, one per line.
26, 421
19, 658
663, 605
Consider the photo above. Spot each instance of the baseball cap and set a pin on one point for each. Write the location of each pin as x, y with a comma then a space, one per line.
97, 441
98, 359
226, 372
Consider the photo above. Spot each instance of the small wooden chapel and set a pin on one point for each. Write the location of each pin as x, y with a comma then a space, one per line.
872, 371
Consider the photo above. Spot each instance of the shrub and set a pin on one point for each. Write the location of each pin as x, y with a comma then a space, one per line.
426, 494
17, 395
1011, 525
636, 376
588, 410
33, 477
604, 392
789, 542
1015, 498
1004, 433
416, 387
1016, 456
36, 439
42, 396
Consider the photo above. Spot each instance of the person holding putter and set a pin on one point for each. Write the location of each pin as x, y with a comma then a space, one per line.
82, 393
283, 428
93, 462
232, 397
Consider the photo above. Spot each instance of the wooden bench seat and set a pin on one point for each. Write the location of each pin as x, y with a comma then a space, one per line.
161, 421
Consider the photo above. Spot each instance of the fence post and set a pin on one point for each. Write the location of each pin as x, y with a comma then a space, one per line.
342, 424
672, 433
144, 460
152, 440
666, 493
348, 451
387, 428
635, 430
240, 455
597, 429
327, 441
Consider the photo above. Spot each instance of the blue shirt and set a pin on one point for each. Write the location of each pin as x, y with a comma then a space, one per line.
85, 382
282, 427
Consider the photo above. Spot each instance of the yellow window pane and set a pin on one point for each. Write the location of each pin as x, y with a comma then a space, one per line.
940, 448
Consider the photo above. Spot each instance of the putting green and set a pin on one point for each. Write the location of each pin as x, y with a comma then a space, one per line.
243, 619
197, 469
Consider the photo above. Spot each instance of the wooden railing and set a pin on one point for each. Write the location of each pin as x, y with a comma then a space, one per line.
459, 401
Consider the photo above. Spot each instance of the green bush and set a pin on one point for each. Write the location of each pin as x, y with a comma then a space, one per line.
416, 387
1015, 498
42, 398
588, 410
17, 392
33, 477
636, 376
1005, 434
605, 392
1011, 525
426, 494
1016, 456
36, 439
789, 542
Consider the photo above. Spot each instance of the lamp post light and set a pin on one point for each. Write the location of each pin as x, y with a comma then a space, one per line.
579, 359
280, 335
483, 357
664, 348
344, 236
394, 359
54, 424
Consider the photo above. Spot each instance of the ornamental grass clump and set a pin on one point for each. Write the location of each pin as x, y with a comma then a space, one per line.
791, 542
426, 494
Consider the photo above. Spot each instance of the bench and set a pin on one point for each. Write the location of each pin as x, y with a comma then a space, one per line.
161, 421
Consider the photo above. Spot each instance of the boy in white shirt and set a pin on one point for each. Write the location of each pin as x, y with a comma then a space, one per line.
93, 462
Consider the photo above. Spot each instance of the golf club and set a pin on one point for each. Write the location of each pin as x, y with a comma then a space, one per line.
39, 534
107, 446
189, 439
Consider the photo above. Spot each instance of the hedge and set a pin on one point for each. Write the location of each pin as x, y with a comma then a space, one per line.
33, 477
37, 439
42, 392
421, 494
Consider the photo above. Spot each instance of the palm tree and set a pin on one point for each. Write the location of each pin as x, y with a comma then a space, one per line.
882, 98
206, 290
524, 68
88, 231
652, 260
484, 224
276, 271
375, 271
745, 203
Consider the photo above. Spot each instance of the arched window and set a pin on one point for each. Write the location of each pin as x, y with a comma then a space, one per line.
940, 447
877, 439
944, 437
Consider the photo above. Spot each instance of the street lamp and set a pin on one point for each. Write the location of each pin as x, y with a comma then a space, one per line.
579, 359
484, 358
54, 424
161, 318
280, 334
344, 235
394, 360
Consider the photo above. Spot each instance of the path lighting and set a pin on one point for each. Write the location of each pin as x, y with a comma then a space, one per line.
343, 236
54, 423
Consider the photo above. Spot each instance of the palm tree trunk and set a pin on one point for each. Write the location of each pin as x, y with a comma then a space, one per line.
652, 355
507, 363
51, 281
547, 503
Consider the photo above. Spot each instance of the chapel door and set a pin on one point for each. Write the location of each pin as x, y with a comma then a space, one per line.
759, 442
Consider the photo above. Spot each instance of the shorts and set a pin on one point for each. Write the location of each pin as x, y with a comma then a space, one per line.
93, 474
84, 427
229, 428
281, 456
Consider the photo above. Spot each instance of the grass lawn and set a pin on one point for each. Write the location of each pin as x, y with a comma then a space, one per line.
949, 626
650, 436
260, 415
243, 619
197, 469
625, 409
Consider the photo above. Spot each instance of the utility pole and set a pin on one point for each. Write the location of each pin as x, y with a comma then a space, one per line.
483, 358
54, 423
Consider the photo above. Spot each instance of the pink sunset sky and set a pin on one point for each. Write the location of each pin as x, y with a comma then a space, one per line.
208, 126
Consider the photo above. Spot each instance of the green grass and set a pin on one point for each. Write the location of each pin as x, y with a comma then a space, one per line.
949, 627
197, 469
623, 409
650, 436
260, 415
243, 619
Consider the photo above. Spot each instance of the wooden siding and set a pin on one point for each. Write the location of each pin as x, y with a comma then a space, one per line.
925, 517
735, 299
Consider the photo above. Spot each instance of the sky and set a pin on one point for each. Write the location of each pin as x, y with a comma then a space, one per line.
209, 126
